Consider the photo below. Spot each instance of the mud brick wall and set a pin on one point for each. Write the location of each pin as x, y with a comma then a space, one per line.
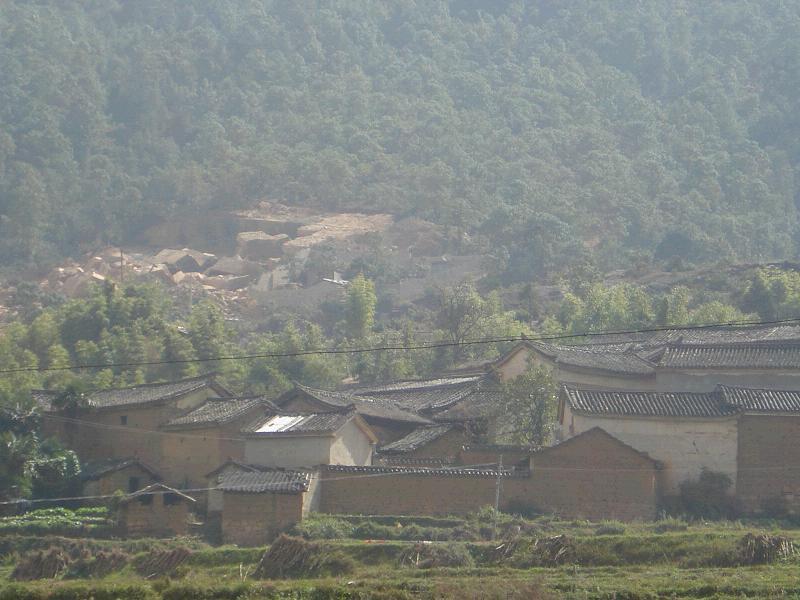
768, 462
256, 519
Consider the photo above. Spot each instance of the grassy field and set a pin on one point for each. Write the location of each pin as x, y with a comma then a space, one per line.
667, 559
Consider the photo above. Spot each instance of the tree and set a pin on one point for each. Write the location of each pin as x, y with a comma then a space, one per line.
360, 305
529, 407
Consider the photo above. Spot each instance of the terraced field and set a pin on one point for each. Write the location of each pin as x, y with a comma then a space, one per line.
540, 558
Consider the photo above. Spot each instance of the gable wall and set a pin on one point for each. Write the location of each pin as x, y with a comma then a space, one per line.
118, 480
592, 477
156, 519
351, 446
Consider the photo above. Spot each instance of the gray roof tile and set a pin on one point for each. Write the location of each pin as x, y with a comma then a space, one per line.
648, 404
612, 361
367, 406
421, 436
218, 411
254, 480
454, 471
99, 468
136, 395
751, 355
422, 395
759, 400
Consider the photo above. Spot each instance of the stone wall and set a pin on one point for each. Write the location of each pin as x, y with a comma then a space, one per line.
255, 519
769, 462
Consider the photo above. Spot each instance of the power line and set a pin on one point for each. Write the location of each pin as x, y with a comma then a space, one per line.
402, 348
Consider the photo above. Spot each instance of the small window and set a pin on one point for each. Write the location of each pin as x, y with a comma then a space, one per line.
171, 499
133, 484
123, 420
146, 499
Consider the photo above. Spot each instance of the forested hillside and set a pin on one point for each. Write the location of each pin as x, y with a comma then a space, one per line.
639, 130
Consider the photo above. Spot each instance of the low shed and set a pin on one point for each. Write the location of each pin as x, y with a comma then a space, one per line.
157, 510
257, 503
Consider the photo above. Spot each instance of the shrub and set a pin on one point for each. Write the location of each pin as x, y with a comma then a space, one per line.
323, 528
610, 528
707, 496
670, 524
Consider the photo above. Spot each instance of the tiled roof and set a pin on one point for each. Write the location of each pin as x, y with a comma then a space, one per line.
284, 424
453, 472
418, 438
398, 460
254, 480
218, 411
482, 401
139, 394
367, 406
618, 363
422, 395
760, 400
647, 404
753, 355
770, 347
99, 468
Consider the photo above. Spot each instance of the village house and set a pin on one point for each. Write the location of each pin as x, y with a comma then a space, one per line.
105, 477
124, 422
208, 435
472, 403
253, 504
156, 510
387, 421
671, 360
308, 440
747, 434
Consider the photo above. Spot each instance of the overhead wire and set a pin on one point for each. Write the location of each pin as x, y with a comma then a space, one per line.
402, 348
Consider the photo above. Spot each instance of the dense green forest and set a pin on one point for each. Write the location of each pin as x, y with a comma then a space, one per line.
629, 130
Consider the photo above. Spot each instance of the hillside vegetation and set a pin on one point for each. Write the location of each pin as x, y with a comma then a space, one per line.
538, 131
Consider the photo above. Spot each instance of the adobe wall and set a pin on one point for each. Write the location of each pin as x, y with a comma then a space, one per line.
684, 446
103, 435
255, 519
118, 480
156, 519
698, 380
769, 461
383, 492
592, 477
